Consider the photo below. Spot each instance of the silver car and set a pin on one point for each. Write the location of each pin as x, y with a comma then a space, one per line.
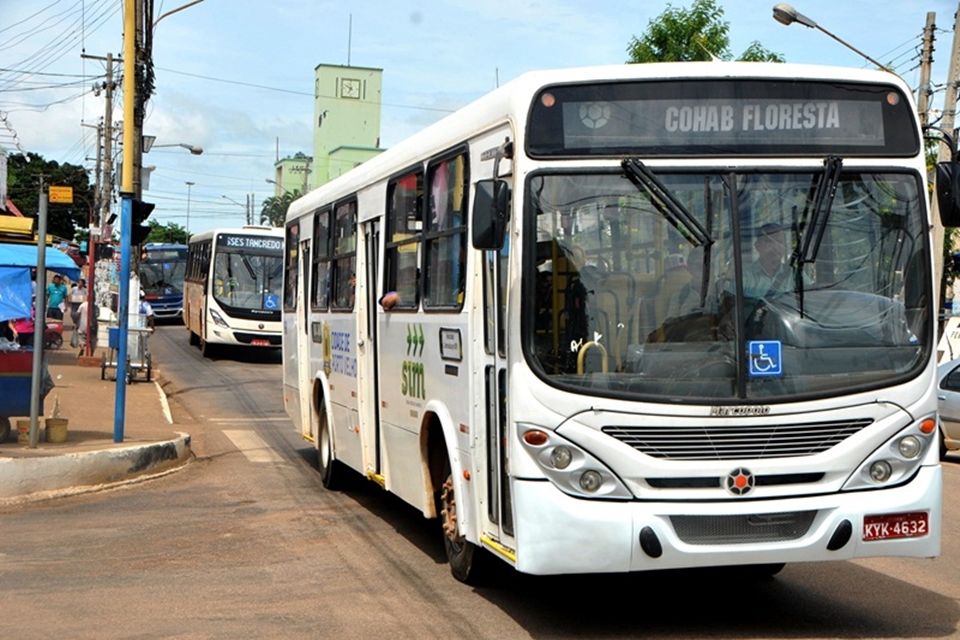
948, 394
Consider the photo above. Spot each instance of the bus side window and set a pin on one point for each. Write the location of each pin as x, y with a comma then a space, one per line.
404, 236
446, 234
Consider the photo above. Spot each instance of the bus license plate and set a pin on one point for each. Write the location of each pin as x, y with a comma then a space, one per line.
895, 525
259, 342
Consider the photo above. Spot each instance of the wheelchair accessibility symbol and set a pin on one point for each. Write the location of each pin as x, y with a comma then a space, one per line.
765, 358
271, 301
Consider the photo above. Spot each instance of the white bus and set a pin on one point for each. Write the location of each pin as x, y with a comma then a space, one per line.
640, 317
233, 288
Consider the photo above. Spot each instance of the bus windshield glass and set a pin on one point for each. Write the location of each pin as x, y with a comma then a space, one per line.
628, 300
248, 273
162, 271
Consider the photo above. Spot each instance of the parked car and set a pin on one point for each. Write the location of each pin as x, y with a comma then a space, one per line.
948, 395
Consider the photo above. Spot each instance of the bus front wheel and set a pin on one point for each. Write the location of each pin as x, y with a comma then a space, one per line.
468, 562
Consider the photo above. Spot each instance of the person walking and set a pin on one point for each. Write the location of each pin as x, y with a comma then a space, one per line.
78, 293
56, 294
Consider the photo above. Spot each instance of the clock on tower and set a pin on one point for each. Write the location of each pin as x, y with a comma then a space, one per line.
350, 88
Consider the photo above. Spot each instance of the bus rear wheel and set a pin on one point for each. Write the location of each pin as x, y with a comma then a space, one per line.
331, 472
468, 562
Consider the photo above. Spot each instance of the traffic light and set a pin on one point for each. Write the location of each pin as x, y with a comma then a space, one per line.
139, 231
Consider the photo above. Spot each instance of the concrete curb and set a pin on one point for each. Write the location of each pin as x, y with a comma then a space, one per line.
44, 477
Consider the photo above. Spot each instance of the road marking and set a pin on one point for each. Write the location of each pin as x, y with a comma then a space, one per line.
252, 446
240, 420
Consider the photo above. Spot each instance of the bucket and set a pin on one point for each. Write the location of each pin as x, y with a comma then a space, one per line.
23, 431
56, 429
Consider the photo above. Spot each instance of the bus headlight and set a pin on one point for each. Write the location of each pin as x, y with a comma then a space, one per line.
218, 319
561, 457
880, 471
570, 468
591, 481
896, 460
910, 446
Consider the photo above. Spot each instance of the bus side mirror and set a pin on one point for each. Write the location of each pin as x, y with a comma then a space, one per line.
490, 206
948, 194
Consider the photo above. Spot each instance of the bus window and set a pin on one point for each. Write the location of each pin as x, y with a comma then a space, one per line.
445, 238
344, 259
291, 267
404, 232
320, 287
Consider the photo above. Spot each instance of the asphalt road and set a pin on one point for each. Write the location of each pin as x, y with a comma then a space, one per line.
244, 542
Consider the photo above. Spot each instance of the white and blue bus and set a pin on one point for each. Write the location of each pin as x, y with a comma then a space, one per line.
162, 270
633, 318
233, 288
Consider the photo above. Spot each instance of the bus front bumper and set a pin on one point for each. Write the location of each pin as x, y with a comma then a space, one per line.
556, 533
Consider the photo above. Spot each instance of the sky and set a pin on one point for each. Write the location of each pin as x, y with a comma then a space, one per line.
235, 77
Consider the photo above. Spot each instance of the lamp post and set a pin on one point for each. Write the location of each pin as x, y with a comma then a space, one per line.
274, 182
787, 15
246, 207
189, 185
148, 145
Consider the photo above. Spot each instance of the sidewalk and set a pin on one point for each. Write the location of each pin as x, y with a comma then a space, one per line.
89, 459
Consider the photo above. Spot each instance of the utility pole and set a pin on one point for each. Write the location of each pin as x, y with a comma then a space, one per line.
105, 187
107, 193
947, 124
926, 60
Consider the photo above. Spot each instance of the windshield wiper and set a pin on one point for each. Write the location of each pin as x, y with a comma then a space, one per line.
816, 222
665, 202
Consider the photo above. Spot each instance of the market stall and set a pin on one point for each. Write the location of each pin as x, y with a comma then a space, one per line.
16, 302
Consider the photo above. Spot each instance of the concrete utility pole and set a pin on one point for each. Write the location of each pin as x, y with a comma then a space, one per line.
947, 124
105, 186
926, 60
923, 109
107, 193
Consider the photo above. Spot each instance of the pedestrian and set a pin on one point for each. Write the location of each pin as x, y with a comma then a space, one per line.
146, 311
56, 294
80, 331
78, 293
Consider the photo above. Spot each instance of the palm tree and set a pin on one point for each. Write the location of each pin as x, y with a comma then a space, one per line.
274, 210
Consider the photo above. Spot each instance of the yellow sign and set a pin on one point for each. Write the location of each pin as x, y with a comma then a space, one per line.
61, 195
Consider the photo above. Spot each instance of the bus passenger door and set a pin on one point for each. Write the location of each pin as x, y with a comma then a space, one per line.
368, 348
499, 502
304, 338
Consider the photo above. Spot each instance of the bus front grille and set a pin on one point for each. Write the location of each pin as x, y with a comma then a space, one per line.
743, 529
736, 442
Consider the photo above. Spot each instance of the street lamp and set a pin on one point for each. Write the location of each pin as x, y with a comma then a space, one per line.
787, 15
192, 148
274, 182
246, 207
189, 185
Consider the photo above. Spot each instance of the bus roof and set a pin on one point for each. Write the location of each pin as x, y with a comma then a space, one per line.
512, 100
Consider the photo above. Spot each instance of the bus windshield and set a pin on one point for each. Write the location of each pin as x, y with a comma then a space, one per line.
162, 271
248, 278
766, 293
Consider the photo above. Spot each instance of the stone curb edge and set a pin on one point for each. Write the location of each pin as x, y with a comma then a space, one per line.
41, 478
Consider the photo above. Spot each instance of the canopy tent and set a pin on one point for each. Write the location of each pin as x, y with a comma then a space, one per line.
16, 260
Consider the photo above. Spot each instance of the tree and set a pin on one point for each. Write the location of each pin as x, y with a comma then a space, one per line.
698, 33
170, 233
274, 208
23, 181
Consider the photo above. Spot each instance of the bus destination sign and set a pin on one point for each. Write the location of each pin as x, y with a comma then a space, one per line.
666, 123
250, 243
747, 118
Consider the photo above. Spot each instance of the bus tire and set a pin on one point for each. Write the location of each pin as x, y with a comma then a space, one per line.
469, 563
4, 428
206, 349
194, 338
331, 471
